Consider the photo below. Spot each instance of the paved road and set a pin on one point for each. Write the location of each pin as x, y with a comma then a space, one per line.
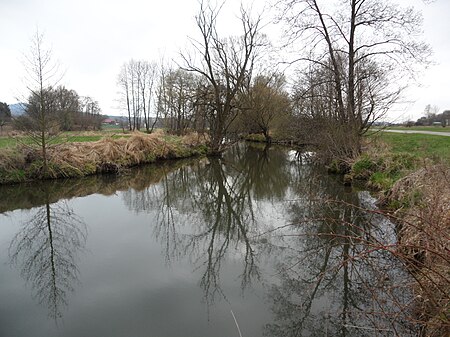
418, 131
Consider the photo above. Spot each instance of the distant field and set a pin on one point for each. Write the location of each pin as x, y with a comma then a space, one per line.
111, 127
419, 128
65, 137
433, 147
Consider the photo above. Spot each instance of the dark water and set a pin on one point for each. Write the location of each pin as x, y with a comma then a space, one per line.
258, 243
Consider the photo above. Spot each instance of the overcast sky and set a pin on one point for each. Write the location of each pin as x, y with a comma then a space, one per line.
91, 39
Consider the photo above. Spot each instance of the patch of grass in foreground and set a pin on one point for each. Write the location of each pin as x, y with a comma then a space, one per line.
436, 148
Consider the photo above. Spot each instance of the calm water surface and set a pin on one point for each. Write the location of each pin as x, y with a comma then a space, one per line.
247, 244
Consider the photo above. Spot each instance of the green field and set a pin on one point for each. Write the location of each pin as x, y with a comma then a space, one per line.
64, 137
417, 128
436, 148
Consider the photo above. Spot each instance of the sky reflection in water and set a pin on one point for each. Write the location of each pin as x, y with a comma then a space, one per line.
171, 250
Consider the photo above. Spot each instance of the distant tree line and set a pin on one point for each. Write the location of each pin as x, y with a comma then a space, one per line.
432, 117
66, 111
5, 115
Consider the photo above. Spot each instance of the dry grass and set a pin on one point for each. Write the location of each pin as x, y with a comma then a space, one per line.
109, 155
195, 139
123, 152
422, 200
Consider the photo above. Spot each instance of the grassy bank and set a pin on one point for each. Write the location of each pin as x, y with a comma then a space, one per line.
21, 163
413, 173
433, 147
388, 157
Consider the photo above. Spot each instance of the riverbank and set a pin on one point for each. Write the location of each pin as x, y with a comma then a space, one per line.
78, 159
411, 174
420, 205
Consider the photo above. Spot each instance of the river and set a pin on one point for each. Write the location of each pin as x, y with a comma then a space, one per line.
258, 243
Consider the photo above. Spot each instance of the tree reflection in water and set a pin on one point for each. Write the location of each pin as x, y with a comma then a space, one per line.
217, 198
45, 251
331, 277
339, 277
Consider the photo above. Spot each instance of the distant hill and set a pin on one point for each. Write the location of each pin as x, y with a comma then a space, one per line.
17, 109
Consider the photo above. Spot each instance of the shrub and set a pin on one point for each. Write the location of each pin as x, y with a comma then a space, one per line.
364, 167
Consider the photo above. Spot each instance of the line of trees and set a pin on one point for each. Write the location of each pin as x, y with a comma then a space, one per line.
5, 115
155, 94
65, 111
137, 80
352, 62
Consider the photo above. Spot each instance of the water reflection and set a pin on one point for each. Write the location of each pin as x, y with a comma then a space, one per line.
202, 210
45, 251
331, 277
320, 257
29, 195
340, 273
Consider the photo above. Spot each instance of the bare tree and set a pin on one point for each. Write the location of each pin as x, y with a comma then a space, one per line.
137, 82
124, 85
363, 47
226, 63
42, 76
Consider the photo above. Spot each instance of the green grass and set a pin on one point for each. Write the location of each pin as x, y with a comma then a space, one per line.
111, 127
436, 148
391, 156
64, 137
7, 142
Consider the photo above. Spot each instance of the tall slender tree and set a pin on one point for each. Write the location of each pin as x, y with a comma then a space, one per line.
42, 76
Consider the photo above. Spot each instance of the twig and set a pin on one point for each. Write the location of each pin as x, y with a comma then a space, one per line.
235, 321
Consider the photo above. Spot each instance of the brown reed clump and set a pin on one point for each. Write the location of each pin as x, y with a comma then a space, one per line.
106, 155
110, 154
422, 200
195, 139
11, 159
